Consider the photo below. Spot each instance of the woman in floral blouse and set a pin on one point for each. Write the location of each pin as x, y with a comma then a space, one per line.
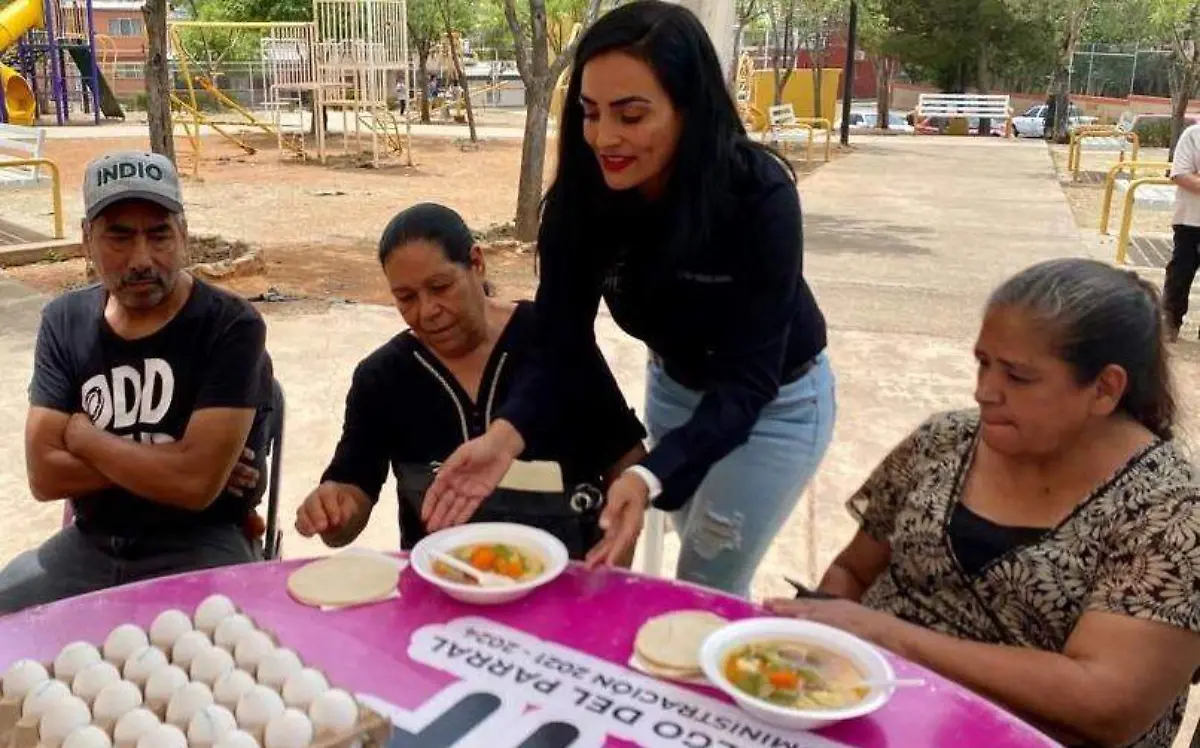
1043, 549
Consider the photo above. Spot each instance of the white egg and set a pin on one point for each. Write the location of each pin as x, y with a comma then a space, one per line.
209, 725
89, 681
185, 702
277, 666
88, 736
251, 647
256, 708
115, 701
303, 686
142, 663
292, 729
187, 646
167, 627
61, 719
334, 712
237, 739
230, 687
230, 629
43, 696
163, 736
211, 664
162, 685
133, 725
212, 611
22, 676
123, 641
73, 658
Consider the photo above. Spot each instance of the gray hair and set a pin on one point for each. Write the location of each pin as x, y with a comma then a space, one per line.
1096, 316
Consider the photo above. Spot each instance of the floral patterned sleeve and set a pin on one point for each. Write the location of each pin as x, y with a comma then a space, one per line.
876, 504
1152, 568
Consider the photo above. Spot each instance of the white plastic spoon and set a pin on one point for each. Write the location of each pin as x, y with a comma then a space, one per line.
897, 683
485, 578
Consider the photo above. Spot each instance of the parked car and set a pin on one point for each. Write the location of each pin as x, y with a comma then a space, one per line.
868, 119
938, 125
1032, 124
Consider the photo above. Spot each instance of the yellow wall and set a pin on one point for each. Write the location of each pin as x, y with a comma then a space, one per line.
798, 92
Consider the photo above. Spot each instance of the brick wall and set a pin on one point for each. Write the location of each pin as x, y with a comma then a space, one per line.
123, 51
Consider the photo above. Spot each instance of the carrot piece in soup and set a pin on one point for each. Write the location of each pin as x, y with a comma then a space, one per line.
785, 679
483, 558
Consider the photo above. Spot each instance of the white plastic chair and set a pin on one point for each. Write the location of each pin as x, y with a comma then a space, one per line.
657, 523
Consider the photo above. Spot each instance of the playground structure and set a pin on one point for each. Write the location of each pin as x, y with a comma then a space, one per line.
37, 38
346, 61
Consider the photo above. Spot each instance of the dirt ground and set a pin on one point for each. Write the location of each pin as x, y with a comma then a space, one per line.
1086, 196
316, 226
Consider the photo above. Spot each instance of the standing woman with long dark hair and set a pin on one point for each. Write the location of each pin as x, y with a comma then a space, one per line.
691, 233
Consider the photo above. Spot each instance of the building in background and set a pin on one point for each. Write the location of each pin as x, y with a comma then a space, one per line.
120, 43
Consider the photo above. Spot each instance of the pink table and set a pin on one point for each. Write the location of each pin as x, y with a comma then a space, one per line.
373, 649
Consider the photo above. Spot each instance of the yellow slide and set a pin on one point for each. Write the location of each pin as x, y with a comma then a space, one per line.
16, 18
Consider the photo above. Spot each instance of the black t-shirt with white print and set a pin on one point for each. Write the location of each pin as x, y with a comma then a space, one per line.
210, 355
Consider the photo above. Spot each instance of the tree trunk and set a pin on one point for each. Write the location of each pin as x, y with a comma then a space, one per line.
533, 159
462, 79
731, 79
883, 92
1180, 98
158, 79
423, 82
1058, 103
817, 58
983, 84
1058, 96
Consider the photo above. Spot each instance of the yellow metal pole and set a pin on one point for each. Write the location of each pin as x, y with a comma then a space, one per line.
55, 187
220, 96
1127, 215
1126, 225
1110, 184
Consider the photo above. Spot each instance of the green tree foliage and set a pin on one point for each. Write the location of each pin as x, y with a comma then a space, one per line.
957, 44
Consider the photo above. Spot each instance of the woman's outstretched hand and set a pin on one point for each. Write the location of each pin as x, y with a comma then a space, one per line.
469, 476
622, 519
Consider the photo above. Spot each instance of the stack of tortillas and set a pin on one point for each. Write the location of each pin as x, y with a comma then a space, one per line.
345, 579
668, 646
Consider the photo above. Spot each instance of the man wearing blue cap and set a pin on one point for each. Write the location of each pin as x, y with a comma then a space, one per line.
146, 390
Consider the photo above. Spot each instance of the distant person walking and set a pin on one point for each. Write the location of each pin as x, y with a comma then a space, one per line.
1185, 259
402, 95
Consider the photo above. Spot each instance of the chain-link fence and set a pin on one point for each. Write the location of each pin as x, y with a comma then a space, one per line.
1118, 71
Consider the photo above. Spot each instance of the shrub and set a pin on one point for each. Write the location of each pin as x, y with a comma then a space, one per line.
1154, 130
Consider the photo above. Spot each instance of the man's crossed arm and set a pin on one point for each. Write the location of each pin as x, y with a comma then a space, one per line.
66, 456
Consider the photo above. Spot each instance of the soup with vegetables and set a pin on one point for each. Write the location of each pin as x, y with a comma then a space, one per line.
795, 675
504, 559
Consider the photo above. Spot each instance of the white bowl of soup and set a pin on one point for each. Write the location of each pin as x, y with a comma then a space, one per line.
796, 674
528, 556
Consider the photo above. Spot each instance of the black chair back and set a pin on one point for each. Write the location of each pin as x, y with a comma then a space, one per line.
273, 541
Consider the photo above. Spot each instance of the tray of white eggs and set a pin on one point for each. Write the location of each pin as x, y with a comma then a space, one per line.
214, 679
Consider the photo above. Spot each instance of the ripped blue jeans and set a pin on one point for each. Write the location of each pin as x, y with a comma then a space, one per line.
728, 525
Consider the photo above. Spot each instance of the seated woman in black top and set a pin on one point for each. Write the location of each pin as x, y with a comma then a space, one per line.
439, 384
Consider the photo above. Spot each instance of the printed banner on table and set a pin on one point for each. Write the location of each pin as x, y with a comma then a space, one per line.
587, 696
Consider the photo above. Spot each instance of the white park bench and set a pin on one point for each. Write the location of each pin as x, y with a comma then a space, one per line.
1155, 193
1119, 138
783, 126
22, 164
966, 106
19, 143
